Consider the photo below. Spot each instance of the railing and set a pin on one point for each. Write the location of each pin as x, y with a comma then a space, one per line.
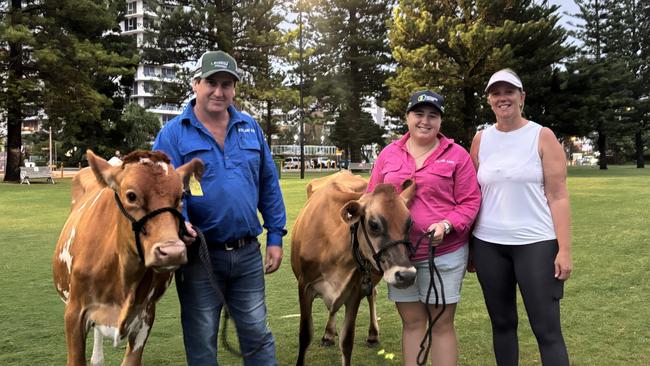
310, 150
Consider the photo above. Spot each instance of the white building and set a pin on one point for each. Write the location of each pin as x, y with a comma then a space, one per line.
140, 18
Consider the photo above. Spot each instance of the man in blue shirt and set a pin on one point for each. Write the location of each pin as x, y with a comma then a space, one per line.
240, 178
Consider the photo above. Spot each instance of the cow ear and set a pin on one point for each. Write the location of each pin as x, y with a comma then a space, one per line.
194, 167
408, 190
351, 212
104, 172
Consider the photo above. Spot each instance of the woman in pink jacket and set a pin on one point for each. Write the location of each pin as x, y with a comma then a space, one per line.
446, 203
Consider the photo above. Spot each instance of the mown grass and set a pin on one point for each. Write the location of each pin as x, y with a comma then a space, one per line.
604, 314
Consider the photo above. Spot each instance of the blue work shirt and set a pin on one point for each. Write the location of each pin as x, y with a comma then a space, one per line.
238, 180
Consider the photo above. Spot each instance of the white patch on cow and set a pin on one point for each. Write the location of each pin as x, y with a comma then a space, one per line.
109, 332
64, 295
141, 337
73, 202
164, 166
145, 160
153, 291
97, 197
389, 275
97, 358
65, 256
139, 326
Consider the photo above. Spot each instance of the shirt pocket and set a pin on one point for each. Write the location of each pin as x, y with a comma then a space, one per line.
395, 172
249, 157
198, 149
439, 181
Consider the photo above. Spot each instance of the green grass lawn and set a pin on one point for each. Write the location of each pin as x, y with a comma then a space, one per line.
605, 311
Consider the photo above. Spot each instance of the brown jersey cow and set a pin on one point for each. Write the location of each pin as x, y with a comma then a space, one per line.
322, 255
118, 249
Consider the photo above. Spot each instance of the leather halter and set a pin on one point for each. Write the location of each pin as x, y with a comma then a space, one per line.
138, 225
363, 264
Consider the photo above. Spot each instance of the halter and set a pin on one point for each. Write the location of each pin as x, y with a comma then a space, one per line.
363, 264
138, 225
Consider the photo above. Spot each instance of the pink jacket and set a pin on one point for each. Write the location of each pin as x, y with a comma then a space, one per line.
446, 188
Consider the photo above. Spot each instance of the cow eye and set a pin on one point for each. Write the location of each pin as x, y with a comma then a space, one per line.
374, 226
131, 197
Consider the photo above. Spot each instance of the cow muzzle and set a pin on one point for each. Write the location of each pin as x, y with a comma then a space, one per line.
168, 255
400, 277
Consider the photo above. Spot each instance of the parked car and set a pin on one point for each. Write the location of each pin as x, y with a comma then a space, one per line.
324, 162
292, 162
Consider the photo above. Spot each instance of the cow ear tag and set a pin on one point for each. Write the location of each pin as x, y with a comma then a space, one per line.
195, 187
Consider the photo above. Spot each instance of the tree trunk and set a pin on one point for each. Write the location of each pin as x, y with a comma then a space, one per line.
469, 121
638, 137
14, 101
602, 149
269, 127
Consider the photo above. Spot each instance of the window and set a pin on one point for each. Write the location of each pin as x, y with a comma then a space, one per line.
149, 71
168, 73
167, 117
148, 23
148, 87
131, 8
145, 6
130, 24
135, 88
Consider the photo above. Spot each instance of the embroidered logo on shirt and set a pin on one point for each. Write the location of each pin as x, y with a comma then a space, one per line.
246, 130
446, 161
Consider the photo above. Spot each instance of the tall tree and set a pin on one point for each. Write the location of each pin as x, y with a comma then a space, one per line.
61, 54
598, 36
351, 59
453, 47
628, 42
247, 29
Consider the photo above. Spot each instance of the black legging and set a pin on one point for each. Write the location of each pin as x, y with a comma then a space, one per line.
499, 269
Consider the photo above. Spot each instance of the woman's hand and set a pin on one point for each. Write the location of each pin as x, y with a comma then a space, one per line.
437, 232
563, 265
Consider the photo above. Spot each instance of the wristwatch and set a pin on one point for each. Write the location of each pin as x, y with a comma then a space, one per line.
447, 227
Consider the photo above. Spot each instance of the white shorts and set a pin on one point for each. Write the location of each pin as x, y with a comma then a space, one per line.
452, 268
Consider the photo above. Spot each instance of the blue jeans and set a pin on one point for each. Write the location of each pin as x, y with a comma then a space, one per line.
241, 278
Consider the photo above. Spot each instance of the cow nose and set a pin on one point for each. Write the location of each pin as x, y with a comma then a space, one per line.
171, 252
404, 278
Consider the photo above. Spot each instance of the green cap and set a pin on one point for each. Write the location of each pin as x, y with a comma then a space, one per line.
213, 62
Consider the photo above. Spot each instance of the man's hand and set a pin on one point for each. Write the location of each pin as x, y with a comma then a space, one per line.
190, 230
273, 258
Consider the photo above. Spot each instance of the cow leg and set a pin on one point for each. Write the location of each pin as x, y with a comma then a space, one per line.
346, 339
97, 358
373, 329
306, 322
75, 336
137, 340
330, 331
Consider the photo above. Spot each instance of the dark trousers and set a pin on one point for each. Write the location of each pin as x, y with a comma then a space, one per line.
500, 268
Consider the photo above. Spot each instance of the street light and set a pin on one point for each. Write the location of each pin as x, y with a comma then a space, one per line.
302, 109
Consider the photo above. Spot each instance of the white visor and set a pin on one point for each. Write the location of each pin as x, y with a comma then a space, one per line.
506, 76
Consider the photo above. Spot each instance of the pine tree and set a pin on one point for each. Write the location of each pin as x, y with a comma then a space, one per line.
453, 48
609, 116
64, 59
628, 33
247, 29
351, 57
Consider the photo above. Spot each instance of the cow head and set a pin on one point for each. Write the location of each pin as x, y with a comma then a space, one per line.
145, 183
384, 223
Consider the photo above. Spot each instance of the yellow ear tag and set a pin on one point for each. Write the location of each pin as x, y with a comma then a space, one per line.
195, 187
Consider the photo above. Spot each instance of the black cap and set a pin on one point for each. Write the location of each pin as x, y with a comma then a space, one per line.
427, 97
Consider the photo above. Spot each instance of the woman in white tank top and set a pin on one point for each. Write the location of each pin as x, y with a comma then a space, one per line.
521, 237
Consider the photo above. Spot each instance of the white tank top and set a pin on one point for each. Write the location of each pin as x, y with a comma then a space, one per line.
514, 209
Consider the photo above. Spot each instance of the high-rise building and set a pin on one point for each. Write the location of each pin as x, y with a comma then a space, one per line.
139, 19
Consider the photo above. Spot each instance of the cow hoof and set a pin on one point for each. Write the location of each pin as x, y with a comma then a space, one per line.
372, 342
326, 342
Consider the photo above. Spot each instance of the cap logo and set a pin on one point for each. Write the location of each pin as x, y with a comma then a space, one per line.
220, 64
427, 98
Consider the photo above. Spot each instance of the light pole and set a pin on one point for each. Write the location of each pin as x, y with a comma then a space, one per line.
302, 109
